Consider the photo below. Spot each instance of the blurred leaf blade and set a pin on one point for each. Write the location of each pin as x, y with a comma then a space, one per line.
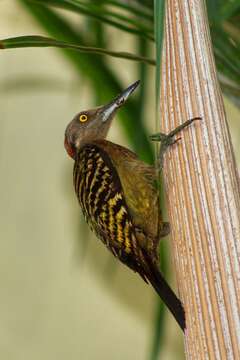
219, 11
136, 10
230, 9
158, 331
159, 34
142, 70
41, 41
89, 10
147, 3
159, 13
105, 11
227, 57
160, 309
225, 37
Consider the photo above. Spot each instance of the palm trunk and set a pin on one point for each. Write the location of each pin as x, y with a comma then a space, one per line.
202, 186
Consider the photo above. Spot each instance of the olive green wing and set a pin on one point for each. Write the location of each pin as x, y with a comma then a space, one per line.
138, 181
101, 197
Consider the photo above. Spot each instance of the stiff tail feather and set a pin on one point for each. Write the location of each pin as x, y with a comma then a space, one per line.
167, 295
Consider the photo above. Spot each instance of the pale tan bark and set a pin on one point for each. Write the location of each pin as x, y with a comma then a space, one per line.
202, 186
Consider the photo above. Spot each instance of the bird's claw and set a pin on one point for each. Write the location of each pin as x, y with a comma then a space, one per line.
168, 139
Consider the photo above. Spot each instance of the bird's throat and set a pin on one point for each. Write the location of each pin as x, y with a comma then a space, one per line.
70, 149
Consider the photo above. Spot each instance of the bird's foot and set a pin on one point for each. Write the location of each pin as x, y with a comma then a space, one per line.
164, 229
169, 140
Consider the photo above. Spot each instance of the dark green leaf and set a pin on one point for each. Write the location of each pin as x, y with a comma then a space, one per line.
159, 33
227, 54
230, 9
89, 10
159, 12
41, 41
133, 8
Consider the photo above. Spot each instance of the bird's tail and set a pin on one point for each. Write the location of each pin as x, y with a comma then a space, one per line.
167, 295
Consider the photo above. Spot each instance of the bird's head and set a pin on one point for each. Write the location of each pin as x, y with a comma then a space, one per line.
93, 124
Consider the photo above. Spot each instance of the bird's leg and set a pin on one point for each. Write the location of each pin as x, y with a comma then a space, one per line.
168, 139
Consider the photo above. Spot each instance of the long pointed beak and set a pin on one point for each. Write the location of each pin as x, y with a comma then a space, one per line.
109, 110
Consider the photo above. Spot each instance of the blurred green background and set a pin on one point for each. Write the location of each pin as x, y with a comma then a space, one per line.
62, 295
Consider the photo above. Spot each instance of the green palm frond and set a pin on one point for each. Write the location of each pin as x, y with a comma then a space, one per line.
42, 41
136, 17
101, 14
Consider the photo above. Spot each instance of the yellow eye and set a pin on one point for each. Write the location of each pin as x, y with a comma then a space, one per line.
83, 118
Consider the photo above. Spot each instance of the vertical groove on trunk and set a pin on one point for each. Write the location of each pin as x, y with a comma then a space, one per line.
202, 186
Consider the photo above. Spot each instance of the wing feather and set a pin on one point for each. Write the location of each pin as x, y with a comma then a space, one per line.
138, 182
102, 200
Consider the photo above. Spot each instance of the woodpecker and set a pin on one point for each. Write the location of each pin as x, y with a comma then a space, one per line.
118, 194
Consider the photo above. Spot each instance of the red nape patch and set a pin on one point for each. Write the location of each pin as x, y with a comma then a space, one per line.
70, 150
